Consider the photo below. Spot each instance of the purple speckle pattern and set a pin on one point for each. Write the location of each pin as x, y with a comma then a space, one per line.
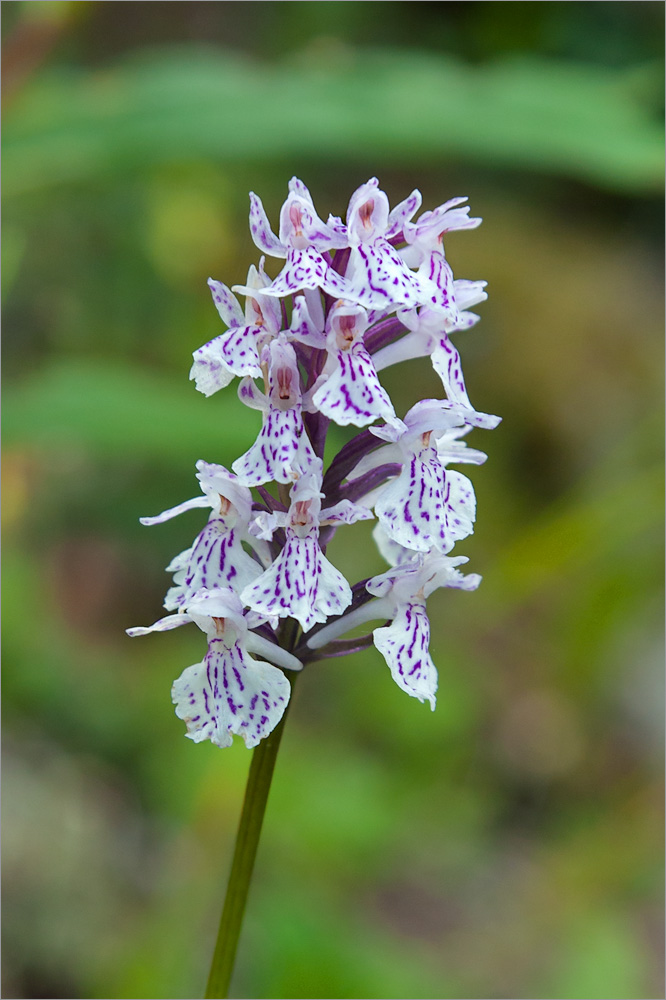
217, 559
230, 354
427, 506
226, 303
379, 279
307, 269
229, 694
281, 448
352, 393
260, 230
404, 645
300, 584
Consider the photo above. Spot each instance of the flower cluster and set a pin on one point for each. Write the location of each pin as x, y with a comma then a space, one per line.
352, 298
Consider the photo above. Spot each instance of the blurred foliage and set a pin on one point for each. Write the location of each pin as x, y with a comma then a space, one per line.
583, 121
507, 845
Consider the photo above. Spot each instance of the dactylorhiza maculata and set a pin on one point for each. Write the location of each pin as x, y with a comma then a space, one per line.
351, 299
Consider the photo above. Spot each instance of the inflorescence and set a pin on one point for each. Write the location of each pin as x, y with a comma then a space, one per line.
353, 298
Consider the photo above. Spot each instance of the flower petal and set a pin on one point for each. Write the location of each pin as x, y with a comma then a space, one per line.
180, 508
210, 371
307, 269
402, 213
300, 584
352, 394
281, 449
427, 506
261, 231
404, 645
217, 559
225, 303
230, 693
161, 625
378, 279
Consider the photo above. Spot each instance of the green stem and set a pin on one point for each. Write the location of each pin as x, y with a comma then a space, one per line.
259, 779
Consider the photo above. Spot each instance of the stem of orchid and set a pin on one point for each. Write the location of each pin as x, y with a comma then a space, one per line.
258, 787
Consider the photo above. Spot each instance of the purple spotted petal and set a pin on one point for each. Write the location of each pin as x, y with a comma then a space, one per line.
345, 512
210, 370
446, 362
402, 213
352, 394
307, 269
300, 584
225, 303
261, 231
436, 279
217, 559
281, 448
230, 693
303, 326
240, 350
404, 645
427, 506
379, 279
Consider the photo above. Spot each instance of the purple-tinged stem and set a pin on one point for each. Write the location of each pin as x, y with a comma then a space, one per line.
382, 334
348, 457
339, 647
358, 488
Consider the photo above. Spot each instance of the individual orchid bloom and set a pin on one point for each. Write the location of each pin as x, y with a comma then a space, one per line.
237, 352
217, 557
303, 239
429, 336
301, 583
401, 594
283, 448
349, 391
425, 250
427, 506
376, 275
229, 692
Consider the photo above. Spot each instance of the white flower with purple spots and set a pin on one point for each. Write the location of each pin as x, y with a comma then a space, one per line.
377, 277
401, 594
229, 693
283, 449
237, 352
350, 391
302, 583
303, 239
217, 557
425, 250
427, 505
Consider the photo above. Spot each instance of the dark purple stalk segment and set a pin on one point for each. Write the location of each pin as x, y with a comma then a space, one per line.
358, 488
316, 425
339, 647
382, 334
271, 503
267, 632
340, 260
314, 365
349, 456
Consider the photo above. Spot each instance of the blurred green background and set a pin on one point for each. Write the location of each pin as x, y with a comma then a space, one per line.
506, 846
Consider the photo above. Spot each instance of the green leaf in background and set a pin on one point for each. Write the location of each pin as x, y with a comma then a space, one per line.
117, 412
587, 122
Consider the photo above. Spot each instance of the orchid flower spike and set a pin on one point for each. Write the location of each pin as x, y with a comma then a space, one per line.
352, 298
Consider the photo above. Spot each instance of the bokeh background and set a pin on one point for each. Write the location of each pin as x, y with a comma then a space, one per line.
508, 845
